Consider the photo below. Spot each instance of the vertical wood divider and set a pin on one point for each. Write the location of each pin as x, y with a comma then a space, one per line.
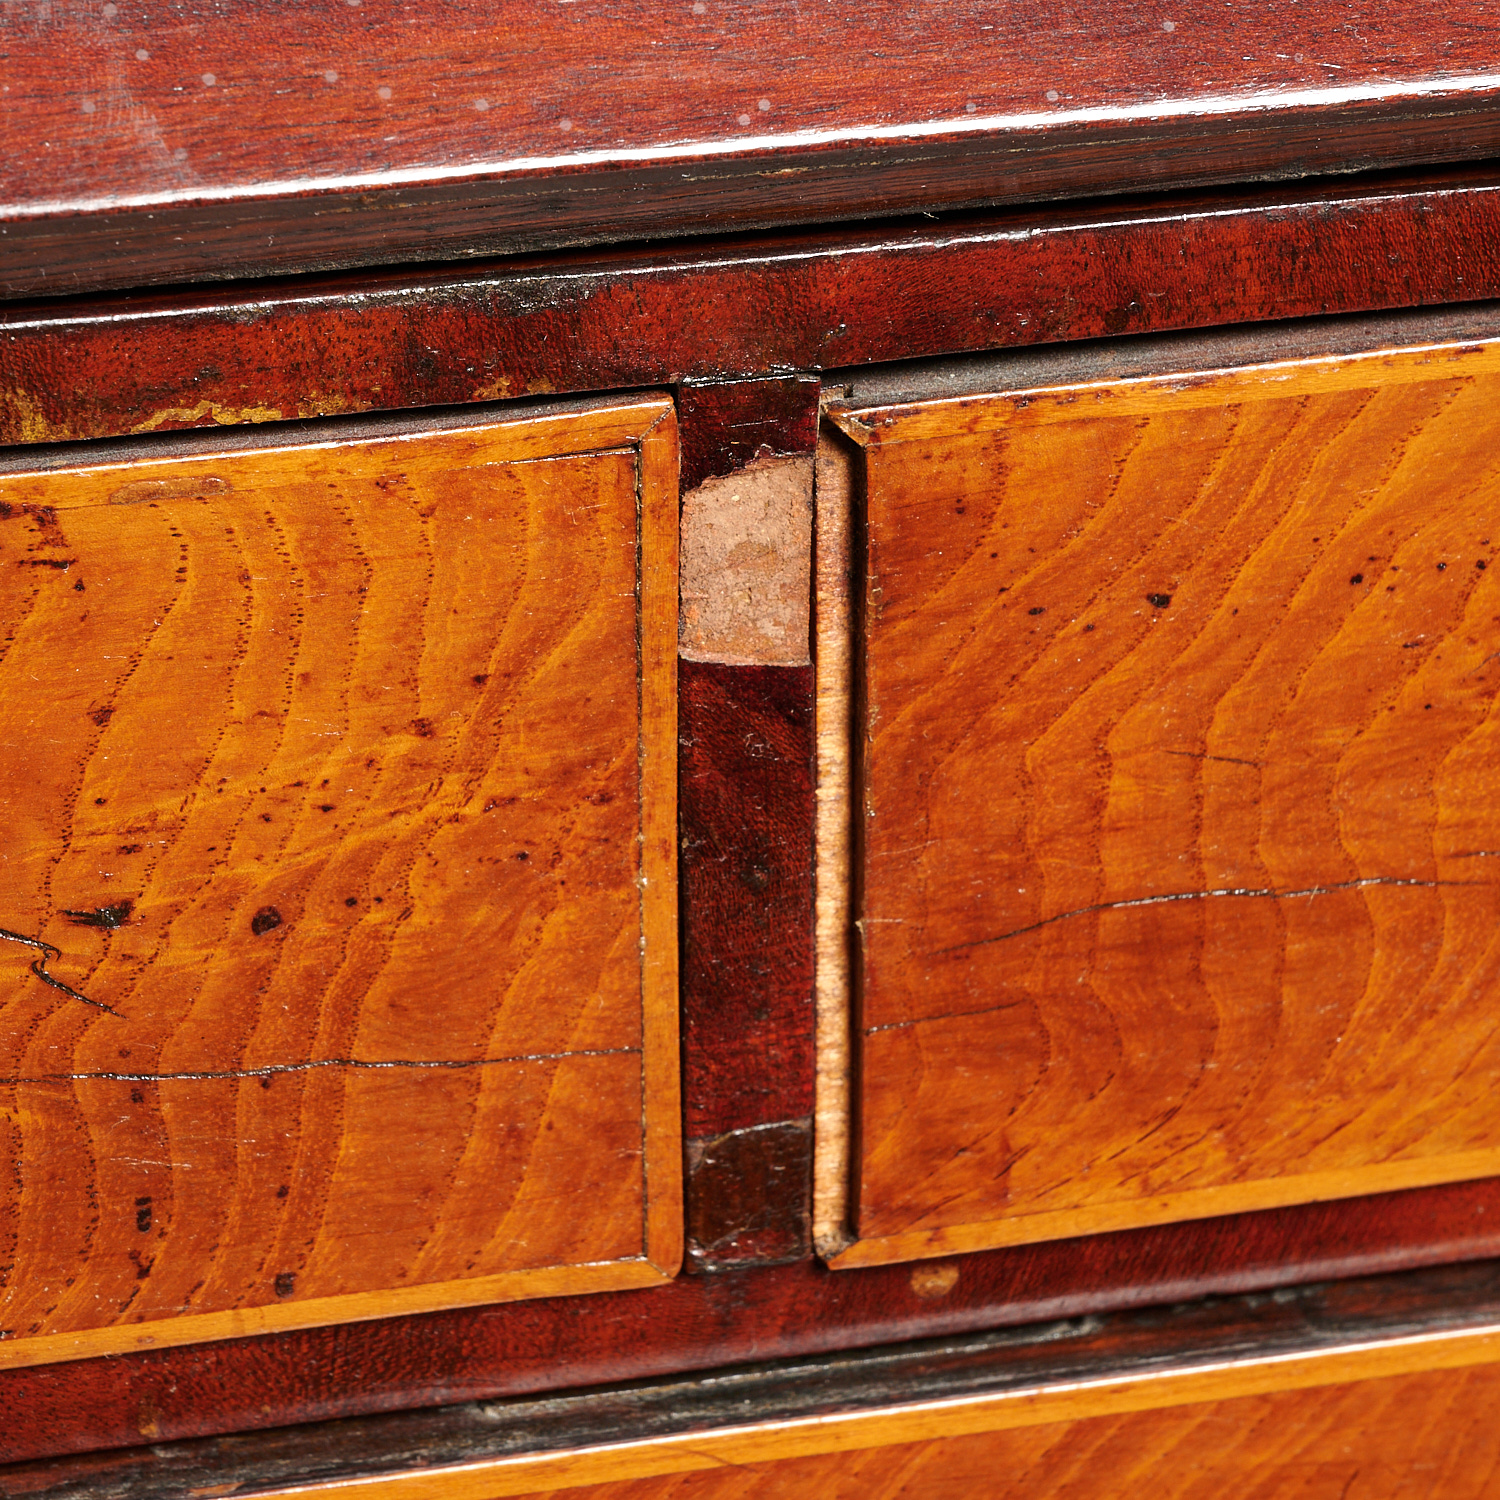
662, 1076
833, 872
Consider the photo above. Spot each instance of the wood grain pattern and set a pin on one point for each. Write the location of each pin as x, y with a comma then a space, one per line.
1407, 1438
1177, 887
730, 310
341, 795
180, 144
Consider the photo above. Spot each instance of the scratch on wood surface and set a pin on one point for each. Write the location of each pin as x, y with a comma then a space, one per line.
1229, 890
834, 934
746, 581
270, 1070
39, 968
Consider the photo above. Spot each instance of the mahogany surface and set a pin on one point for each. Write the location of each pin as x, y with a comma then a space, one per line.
1295, 1349
740, 308
1179, 729
176, 143
745, 753
338, 843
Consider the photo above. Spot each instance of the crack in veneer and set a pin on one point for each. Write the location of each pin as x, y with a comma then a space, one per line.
1083, 911
271, 1069
1312, 890
39, 968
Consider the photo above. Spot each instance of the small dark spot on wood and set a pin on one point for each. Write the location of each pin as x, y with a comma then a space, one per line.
1037, 609
1088, 627
423, 727
755, 877
1442, 567
143, 1215
137, 1097
522, 855
282, 1191
78, 587
326, 806
286, 1283
264, 920
1357, 578
60, 563
1480, 565
351, 900
266, 1083
108, 917
128, 849
480, 678
1158, 601
102, 716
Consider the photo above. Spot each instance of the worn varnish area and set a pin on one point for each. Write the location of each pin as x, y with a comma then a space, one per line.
324, 781
747, 564
722, 311
1180, 849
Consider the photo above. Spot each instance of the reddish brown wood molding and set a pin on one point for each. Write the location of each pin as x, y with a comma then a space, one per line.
699, 1322
186, 144
742, 308
745, 744
1120, 1366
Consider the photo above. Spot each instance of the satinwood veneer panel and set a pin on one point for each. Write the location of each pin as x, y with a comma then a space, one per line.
337, 878
1179, 860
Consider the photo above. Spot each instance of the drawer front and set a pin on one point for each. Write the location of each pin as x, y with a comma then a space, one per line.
336, 874
1179, 856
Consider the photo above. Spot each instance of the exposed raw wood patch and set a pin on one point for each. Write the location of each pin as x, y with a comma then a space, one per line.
831, 1232
746, 564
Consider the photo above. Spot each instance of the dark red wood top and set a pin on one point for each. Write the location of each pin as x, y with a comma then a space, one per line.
157, 140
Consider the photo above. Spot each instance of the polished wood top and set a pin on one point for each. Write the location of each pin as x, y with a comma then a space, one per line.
182, 142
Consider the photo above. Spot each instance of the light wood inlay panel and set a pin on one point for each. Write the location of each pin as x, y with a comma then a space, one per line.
339, 782
1180, 867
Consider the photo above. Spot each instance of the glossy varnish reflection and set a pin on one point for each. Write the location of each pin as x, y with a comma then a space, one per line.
338, 781
1178, 894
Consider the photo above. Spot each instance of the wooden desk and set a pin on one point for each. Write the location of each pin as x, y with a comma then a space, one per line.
762, 230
